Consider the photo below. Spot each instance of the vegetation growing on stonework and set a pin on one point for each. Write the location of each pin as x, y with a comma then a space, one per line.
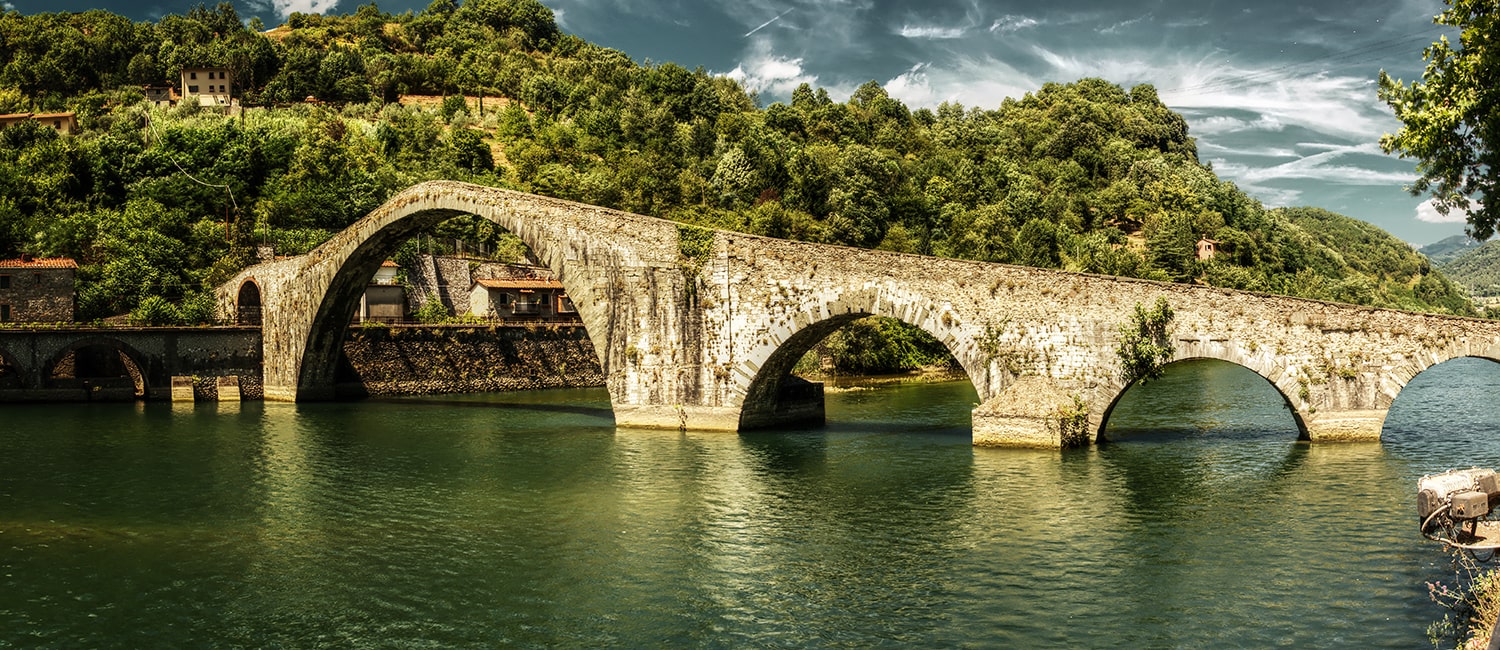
1145, 342
1085, 176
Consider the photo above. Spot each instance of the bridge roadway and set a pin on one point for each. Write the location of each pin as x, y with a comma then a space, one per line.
31, 357
699, 329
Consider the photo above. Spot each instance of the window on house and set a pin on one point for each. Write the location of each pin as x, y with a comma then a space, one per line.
5, 313
57, 124
192, 75
4, 282
36, 279
192, 89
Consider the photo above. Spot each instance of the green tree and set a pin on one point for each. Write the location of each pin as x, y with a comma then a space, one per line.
1451, 118
1145, 342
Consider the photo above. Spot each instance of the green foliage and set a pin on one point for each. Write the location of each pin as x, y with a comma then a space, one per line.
1145, 342
694, 246
880, 346
1451, 118
431, 311
155, 311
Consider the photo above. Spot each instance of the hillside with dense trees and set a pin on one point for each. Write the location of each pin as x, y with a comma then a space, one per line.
1085, 176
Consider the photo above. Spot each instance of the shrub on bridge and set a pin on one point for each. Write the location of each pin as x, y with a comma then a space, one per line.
1146, 342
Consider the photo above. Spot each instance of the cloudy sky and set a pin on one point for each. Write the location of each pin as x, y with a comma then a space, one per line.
1280, 94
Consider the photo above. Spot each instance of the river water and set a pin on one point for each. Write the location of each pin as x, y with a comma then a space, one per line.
529, 520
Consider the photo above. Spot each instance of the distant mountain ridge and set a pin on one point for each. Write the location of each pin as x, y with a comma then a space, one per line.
1476, 268
1446, 250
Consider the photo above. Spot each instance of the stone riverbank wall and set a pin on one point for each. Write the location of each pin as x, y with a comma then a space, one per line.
433, 359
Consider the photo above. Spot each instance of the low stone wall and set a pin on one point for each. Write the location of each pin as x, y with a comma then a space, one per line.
432, 359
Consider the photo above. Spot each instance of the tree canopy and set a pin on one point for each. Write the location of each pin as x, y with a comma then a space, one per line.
1451, 118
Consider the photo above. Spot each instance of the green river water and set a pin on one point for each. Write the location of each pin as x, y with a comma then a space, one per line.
529, 520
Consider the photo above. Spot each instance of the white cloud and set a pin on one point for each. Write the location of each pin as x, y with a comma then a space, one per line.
287, 7
1324, 166
1012, 23
931, 32
763, 71
971, 82
1205, 146
1115, 28
560, 17
1428, 212
8, 6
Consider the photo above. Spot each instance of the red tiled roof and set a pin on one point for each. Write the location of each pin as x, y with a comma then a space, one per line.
42, 263
388, 264
518, 284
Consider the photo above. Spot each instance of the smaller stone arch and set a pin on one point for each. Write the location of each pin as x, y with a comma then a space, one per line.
773, 396
247, 303
1263, 367
104, 368
1402, 374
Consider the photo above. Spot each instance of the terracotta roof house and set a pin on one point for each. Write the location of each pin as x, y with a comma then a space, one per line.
65, 123
37, 290
521, 299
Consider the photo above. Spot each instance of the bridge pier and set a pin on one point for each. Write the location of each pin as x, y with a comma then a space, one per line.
1353, 425
1033, 412
679, 416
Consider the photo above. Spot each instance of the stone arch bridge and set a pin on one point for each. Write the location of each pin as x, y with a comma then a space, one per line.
698, 329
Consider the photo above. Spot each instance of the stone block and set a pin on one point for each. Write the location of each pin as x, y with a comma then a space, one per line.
182, 389
229, 389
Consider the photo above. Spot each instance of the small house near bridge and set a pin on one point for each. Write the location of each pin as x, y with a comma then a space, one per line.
37, 290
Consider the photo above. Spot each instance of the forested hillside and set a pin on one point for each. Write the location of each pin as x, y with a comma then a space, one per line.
1085, 176
1477, 269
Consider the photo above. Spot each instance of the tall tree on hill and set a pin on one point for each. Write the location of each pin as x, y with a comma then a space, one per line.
1452, 116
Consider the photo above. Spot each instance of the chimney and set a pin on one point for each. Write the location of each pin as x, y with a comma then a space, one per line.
26, 257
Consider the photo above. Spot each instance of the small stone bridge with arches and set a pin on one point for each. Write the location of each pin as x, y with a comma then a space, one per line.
112, 363
699, 329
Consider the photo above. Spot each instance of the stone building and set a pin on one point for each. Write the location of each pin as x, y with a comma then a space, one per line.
1207, 248
160, 96
210, 85
521, 299
385, 299
37, 290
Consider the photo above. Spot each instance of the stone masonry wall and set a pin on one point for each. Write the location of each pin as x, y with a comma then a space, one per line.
456, 359
38, 295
